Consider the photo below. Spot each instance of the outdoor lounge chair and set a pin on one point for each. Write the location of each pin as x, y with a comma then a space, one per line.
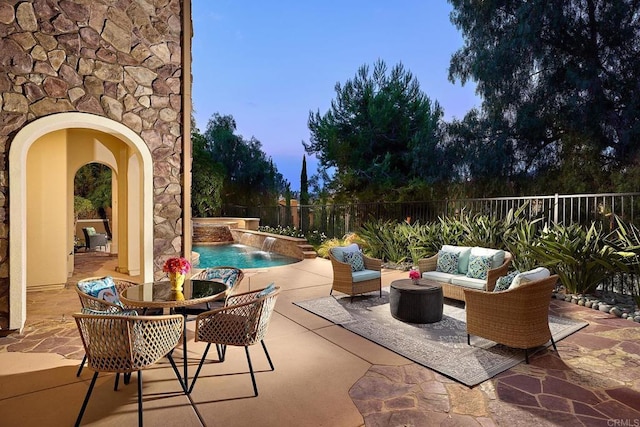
517, 318
355, 273
93, 240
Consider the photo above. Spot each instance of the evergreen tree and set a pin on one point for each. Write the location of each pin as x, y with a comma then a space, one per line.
304, 197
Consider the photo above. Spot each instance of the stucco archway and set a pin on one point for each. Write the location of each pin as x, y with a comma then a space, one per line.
18, 197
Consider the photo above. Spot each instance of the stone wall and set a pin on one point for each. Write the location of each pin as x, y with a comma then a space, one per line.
120, 59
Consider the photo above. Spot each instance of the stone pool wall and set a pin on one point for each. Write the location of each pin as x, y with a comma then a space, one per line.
212, 231
284, 245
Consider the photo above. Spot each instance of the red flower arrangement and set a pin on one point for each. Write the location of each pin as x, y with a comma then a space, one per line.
414, 274
177, 265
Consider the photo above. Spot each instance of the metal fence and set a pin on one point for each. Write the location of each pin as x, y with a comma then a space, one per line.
336, 220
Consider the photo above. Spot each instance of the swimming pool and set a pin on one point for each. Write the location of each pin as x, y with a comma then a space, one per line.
239, 256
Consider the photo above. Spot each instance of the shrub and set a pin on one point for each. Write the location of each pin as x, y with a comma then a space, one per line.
580, 257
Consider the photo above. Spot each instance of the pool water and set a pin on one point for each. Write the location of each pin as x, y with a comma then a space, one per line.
239, 256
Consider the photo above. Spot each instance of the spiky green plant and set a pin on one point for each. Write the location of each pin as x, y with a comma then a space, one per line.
580, 257
482, 230
520, 233
625, 240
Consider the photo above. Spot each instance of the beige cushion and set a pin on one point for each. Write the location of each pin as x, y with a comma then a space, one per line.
529, 276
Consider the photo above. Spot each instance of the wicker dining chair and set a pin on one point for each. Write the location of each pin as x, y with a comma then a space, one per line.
230, 276
517, 318
242, 322
111, 305
126, 344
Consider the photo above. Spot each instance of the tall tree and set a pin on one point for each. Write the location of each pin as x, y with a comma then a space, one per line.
380, 131
251, 178
556, 78
207, 179
304, 196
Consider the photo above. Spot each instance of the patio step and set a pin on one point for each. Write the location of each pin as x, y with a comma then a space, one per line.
308, 251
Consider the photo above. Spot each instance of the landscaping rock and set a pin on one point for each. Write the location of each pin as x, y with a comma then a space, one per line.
605, 307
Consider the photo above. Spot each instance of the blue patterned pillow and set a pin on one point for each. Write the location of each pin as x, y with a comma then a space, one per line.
447, 262
355, 259
478, 266
229, 276
266, 291
103, 288
503, 282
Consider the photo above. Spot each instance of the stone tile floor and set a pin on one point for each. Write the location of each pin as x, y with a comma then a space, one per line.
593, 380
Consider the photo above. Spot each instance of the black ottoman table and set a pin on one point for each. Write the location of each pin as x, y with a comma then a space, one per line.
416, 303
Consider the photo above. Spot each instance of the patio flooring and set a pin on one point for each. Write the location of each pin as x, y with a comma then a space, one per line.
324, 375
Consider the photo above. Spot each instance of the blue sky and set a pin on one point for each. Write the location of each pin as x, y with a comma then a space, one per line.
268, 63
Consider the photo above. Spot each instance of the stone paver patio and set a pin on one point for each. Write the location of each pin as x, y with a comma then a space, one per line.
593, 380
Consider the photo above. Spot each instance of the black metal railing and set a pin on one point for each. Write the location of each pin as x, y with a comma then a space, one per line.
336, 220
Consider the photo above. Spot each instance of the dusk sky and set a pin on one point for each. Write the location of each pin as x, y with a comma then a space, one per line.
268, 63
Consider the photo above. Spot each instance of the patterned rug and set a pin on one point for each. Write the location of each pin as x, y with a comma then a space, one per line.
440, 346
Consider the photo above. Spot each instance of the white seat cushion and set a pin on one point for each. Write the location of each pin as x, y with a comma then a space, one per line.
438, 276
529, 276
468, 282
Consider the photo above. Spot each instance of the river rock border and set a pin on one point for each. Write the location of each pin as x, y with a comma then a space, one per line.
623, 306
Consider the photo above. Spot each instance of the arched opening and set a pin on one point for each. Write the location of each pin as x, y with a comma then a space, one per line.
43, 160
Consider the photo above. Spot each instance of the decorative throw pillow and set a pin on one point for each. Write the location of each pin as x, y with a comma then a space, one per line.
91, 231
355, 259
503, 282
478, 266
103, 288
447, 262
266, 291
229, 276
529, 276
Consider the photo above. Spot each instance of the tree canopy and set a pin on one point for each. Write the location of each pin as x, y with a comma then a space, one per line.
207, 179
250, 177
380, 132
559, 84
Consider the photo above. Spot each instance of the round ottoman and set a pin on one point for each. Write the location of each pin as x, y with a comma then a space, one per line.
416, 303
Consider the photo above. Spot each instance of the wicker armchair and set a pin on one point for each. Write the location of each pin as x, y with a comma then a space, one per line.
354, 283
517, 317
124, 344
94, 303
242, 322
99, 304
230, 276
94, 240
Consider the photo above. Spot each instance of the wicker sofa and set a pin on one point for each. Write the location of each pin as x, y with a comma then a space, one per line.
455, 281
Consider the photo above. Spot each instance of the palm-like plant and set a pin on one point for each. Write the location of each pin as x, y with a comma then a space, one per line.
625, 239
580, 257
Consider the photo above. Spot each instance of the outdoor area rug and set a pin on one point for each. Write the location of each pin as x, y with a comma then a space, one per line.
440, 346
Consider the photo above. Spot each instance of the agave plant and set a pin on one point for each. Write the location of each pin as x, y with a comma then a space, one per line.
482, 230
625, 239
580, 257
520, 234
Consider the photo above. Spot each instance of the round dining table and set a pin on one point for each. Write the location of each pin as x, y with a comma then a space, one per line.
160, 295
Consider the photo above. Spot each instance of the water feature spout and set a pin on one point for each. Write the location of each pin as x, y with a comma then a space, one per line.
267, 245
